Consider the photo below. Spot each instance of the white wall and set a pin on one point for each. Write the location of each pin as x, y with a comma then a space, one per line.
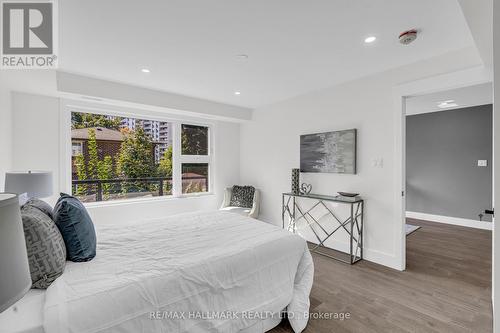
36, 144
41, 81
35, 135
5, 133
124, 93
270, 147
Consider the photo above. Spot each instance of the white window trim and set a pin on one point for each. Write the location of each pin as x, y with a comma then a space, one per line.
68, 106
197, 158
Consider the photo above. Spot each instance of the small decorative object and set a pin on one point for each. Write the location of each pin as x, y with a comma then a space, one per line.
295, 181
347, 194
331, 152
305, 188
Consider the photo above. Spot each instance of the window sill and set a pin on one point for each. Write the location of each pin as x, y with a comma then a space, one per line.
146, 200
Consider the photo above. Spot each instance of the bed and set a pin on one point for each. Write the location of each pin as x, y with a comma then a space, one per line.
197, 272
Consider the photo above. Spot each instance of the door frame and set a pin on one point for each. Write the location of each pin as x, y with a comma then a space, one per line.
459, 79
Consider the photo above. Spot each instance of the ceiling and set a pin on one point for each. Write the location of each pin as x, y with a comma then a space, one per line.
293, 47
464, 97
479, 17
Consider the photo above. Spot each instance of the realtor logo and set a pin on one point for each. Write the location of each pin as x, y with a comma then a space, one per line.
28, 35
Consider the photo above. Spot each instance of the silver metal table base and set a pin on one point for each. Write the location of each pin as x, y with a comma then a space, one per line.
353, 225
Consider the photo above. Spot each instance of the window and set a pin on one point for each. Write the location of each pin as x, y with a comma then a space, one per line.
194, 140
195, 158
134, 158
194, 177
76, 148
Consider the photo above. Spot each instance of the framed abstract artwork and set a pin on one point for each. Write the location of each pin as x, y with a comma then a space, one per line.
329, 152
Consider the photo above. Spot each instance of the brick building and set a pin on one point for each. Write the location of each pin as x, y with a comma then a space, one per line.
108, 144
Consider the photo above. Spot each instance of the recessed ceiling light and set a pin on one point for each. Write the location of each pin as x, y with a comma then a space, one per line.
237, 93
447, 104
146, 70
242, 57
370, 39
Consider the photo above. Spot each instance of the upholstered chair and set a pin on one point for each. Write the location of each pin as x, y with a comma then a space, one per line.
250, 212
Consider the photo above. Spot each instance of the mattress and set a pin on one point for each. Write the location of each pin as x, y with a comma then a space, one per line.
26, 316
198, 272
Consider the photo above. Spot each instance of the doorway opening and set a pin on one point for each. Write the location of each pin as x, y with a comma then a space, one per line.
449, 153
448, 192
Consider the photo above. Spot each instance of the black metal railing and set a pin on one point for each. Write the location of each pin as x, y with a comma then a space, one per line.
102, 187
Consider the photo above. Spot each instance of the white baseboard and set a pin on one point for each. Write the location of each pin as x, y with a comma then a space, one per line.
369, 254
451, 220
375, 256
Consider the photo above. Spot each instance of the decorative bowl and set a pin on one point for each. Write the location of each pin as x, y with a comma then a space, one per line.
347, 194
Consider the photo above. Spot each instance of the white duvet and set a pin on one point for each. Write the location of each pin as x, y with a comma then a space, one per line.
200, 272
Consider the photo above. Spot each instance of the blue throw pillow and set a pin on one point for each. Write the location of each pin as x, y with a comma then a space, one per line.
76, 228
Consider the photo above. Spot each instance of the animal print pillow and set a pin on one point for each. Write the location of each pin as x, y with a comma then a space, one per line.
242, 196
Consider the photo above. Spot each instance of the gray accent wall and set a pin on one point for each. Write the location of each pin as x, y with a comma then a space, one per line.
442, 153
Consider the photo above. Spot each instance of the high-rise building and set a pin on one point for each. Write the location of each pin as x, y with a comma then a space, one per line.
129, 123
165, 137
159, 131
152, 128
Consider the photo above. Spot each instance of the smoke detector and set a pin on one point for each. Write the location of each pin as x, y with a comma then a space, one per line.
408, 37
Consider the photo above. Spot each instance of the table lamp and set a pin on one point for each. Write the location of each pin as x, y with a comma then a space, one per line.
37, 184
15, 279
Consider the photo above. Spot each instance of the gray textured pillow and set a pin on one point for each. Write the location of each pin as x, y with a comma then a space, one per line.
242, 196
40, 204
45, 246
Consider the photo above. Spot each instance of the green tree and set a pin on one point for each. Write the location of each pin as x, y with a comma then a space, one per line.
194, 140
165, 169
136, 159
81, 173
94, 168
86, 120
165, 165
93, 163
105, 171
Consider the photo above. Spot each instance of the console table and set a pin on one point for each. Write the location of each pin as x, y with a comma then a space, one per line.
353, 225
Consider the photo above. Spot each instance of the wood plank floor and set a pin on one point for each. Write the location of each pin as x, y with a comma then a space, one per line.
446, 287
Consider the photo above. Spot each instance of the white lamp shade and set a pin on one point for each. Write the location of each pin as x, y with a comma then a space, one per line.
15, 279
37, 184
